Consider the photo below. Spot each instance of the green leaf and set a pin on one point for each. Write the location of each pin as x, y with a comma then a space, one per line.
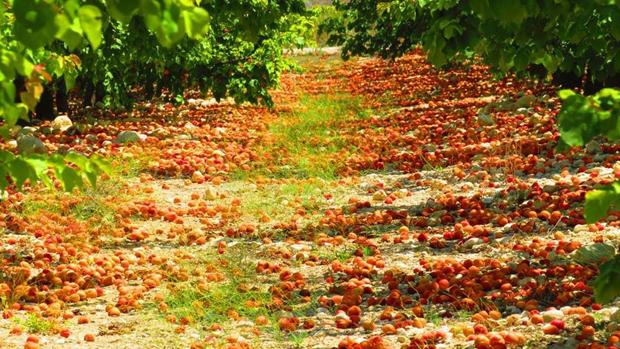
101, 164
196, 22
565, 94
509, 11
92, 23
20, 170
70, 179
69, 32
607, 284
599, 201
123, 10
34, 24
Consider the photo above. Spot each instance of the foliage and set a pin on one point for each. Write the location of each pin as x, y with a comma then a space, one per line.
606, 285
130, 43
578, 38
29, 29
304, 30
581, 39
237, 57
583, 118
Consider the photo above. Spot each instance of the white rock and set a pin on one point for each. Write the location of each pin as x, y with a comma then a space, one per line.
379, 195
552, 314
197, 176
342, 315
125, 137
580, 228
211, 193
30, 144
61, 123
471, 243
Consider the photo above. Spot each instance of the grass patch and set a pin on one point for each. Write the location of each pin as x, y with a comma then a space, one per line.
96, 207
316, 61
309, 142
214, 304
280, 200
35, 324
332, 253
129, 165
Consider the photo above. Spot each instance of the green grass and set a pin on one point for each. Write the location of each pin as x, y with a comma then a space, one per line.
463, 315
271, 198
35, 324
308, 142
212, 305
94, 206
332, 253
319, 63
129, 165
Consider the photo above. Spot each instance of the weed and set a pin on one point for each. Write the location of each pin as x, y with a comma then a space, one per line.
217, 302
308, 141
35, 324
335, 253
462, 315
281, 200
297, 339
432, 316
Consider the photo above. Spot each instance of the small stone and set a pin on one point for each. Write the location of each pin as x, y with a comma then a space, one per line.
46, 130
512, 310
379, 195
580, 228
29, 144
594, 254
28, 130
342, 315
473, 242
159, 133
197, 177
210, 193
552, 314
61, 123
593, 147
125, 137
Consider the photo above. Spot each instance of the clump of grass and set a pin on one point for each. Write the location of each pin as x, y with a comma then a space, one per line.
130, 165
93, 207
213, 305
309, 141
35, 324
333, 253
271, 198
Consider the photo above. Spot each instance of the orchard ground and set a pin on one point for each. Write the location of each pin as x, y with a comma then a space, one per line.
378, 205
